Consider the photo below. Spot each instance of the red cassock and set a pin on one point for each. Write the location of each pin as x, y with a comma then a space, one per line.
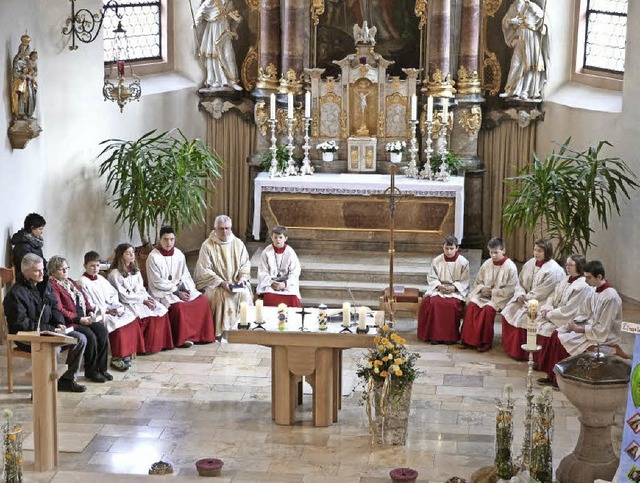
439, 319
512, 340
553, 353
539, 356
127, 340
192, 321
273, 300
477, 328
157, 333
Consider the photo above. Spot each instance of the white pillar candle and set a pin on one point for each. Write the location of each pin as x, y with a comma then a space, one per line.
307, 104
414, 107
346, 314
532, 327
290, 106
379, 318
445, 109
282, 307
362, 318
243, 313
430, 109
272, 107
259, 305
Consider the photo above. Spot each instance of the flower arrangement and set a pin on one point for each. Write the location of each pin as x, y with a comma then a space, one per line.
282, 158
504, 435
327, 147
396, 147
542, 430
452, 162
12, 435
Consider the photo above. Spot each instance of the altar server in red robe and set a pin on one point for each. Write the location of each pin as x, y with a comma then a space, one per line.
279, 272
170, 284
447, 288
538, 279
492, 289
598, 322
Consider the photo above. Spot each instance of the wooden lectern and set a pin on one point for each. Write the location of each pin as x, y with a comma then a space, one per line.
45, 393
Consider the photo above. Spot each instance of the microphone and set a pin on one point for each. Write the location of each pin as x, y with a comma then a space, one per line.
40, 318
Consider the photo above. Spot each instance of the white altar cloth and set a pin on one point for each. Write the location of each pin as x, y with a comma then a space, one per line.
358, 184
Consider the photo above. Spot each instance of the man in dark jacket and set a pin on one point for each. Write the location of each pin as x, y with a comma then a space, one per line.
31, 305
29, 239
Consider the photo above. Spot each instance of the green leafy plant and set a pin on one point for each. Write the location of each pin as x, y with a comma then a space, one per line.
452, 162
160, 178
282, 158
556, 196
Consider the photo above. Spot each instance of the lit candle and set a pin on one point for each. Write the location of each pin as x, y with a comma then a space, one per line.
414, 107
243, 313
430, 109
259, 305
290, 106
445, 109
346, 314
272, 105
307, 104
362, 318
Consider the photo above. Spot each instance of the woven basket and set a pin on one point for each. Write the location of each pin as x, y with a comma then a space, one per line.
209, 467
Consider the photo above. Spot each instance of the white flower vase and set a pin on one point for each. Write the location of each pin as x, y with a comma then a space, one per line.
327, 156
395, 157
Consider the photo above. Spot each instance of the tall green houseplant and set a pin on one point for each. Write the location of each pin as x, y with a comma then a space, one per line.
555, 197
160, 178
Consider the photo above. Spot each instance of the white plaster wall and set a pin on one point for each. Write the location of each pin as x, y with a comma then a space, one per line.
588, 116
56, 174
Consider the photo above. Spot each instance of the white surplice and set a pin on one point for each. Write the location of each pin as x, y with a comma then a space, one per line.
602, 315
501, 279
534, 283
132, 294
564, 305
165, 274
103, 296
451, 273
285, 264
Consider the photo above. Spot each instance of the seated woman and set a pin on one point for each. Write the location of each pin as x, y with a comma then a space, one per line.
125, 276
537, 280
79, 314
279, 272
125, 335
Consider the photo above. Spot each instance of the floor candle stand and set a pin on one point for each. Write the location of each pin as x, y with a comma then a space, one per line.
443, 174
273, 169
525, 455
291, 169
411, 171
306, 168
425, 173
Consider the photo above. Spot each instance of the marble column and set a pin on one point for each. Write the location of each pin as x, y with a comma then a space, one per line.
294, 35
269, 45
438, 80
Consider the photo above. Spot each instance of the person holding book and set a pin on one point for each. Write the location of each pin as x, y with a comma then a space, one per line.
30, 305
279, 272
79, 314
125, 334
447, 289
492, 289
170, 283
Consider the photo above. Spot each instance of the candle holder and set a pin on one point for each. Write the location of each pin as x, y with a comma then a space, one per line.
443, 174
346, 329
411, 171
306, 168
426, 173
525, 455
362, 331
259, 325
244, 326
302, 313
273, 169
291, 169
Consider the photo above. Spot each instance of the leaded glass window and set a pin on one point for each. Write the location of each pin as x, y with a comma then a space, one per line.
606, 32
142, 21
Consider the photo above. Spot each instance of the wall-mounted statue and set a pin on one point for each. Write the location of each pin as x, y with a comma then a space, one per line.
525, 31
221, 19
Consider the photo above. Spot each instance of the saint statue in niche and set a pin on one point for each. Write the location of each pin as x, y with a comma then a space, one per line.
525, 31
24, 86
215, 45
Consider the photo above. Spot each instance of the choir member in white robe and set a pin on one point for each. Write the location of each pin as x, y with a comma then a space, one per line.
125, 276
493, 288
170, 283
447, 288
125, 334
279, 272
223, 273
538, 279
598, 322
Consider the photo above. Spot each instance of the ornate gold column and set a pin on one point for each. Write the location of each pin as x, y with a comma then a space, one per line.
438, 80
294, 32
269, 44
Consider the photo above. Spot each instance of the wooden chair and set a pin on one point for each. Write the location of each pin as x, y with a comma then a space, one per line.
408, 301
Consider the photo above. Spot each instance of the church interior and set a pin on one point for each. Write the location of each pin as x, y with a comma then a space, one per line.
304, 75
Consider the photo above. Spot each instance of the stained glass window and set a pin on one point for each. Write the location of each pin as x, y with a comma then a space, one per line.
606, 32
142, 21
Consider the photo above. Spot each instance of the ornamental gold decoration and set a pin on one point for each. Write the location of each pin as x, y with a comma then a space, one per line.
381, 124
315, 116
421, 12
261, 115
470, 120
249, 68
254, 5
317, 9
490, 7
267, 78
468, 83
441, 85
492, 73
344, 132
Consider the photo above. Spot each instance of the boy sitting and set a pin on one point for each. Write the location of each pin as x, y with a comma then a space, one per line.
279, 272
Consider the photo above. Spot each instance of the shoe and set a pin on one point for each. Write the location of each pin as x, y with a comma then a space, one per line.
465, 346
96, 377
106, 375
484, 347
127, 360
434, 342
119, 364
68, 385
545, 381
187, 344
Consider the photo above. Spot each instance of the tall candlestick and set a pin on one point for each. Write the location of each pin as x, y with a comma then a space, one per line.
346, 314
243, 313
272, 107
430, 109
445, 110
259, 305
290, 106
414, 107
362, 318
307, 104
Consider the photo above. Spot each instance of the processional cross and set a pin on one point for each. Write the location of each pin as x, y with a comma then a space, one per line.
394, 195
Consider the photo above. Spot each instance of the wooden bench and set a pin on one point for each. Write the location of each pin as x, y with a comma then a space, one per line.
407, 301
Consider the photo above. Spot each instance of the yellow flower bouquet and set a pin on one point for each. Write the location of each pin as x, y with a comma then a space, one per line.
12, 435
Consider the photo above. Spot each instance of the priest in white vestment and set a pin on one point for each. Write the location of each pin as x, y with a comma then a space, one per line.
538, 279
223, 273
170, 283
279, 272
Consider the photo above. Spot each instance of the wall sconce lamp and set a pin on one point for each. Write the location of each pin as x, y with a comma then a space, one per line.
84, 25
120, 92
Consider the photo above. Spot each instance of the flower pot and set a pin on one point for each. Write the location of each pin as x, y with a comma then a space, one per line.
403, 475
395, 157
391, 414
327, 156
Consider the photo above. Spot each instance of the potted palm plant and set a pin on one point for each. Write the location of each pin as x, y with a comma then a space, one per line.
556, 196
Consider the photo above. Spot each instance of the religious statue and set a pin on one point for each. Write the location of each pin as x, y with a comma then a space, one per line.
24, 86
215, 46
525, 31
364, 34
